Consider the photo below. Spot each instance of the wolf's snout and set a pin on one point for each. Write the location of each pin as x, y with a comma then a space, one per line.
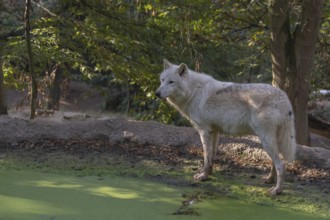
158, 94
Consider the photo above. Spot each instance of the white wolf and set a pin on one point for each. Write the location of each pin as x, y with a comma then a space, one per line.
215, 107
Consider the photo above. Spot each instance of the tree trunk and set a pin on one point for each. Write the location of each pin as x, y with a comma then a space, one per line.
280, 41
55, 78
33, 101
3, 106
293, 55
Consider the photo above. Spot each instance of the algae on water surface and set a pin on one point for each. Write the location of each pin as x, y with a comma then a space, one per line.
31, 195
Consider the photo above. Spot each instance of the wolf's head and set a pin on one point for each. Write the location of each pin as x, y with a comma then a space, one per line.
173, 81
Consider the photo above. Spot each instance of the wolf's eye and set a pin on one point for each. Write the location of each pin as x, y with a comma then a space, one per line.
171, 82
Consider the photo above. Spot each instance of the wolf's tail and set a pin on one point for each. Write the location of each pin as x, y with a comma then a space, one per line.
287, 138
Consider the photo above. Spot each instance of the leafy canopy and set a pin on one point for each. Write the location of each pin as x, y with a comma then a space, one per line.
113, 43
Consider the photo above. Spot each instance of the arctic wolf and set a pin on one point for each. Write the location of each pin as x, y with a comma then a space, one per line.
215, 107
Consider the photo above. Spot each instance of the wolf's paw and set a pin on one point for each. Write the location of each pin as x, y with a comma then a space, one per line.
275, 191
201, 176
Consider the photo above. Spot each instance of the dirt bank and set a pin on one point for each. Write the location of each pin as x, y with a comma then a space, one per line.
109, 133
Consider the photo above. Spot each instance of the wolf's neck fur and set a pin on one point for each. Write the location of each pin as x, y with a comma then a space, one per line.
195, 80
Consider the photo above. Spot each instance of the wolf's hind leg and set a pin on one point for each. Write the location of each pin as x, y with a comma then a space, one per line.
270, 178
267, 137
271, 149
215, 144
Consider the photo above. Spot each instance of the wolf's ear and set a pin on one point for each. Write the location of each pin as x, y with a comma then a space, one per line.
167, 64
182, 69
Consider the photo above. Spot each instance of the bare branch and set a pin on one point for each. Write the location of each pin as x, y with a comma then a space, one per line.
44, 8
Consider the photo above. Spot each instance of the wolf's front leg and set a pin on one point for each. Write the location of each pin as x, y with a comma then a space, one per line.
209, 138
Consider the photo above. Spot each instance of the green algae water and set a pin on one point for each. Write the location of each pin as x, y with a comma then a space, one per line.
31, 195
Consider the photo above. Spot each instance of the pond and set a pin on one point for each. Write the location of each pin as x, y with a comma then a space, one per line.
33, 195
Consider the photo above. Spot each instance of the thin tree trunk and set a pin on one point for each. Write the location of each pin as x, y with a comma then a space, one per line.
33, 101
128, 106
55, 77
293, 55
3, 105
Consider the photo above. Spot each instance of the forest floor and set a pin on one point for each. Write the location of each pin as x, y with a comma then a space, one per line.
93, 143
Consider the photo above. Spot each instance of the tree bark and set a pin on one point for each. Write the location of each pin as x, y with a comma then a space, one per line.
34, 90
280, 41
3, 105
293, 55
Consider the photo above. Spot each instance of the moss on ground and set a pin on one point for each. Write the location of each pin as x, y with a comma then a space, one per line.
247, 191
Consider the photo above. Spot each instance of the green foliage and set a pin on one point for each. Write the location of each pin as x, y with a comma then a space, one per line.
321, 76
122, 44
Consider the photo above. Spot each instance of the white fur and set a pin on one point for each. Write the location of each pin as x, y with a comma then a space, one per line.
215, 107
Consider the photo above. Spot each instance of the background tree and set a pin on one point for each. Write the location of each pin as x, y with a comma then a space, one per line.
293, 54
33, 100
3, 106
119, 46
54, 86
